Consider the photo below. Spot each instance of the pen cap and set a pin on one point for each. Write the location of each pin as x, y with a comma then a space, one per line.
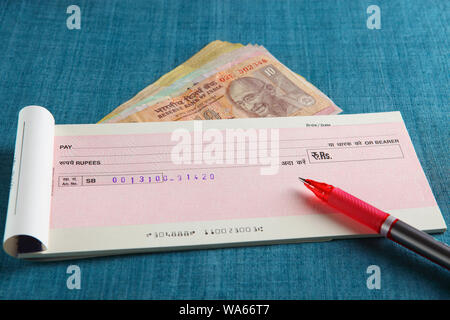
357, 209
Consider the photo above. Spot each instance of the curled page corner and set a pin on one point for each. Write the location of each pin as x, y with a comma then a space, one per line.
28, 216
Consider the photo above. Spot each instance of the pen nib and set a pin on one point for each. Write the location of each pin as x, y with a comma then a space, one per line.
302, 180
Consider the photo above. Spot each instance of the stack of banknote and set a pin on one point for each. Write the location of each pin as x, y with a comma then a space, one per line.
224, 81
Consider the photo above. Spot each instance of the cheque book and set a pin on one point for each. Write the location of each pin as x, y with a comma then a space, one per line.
104, 189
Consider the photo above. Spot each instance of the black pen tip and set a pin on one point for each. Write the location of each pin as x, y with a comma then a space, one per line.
302, 180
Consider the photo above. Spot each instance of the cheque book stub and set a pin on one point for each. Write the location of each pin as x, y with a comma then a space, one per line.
102, 189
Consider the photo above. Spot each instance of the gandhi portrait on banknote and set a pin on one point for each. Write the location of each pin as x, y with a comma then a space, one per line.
260, 99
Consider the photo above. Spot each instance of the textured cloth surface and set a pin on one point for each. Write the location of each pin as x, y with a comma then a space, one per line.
122, 46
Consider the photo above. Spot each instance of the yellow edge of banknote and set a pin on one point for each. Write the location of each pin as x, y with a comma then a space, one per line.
205, 55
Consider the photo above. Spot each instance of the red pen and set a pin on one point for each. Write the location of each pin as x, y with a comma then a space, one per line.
382, 222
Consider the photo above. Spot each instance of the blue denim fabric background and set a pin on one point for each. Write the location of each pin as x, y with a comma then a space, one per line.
81, 75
